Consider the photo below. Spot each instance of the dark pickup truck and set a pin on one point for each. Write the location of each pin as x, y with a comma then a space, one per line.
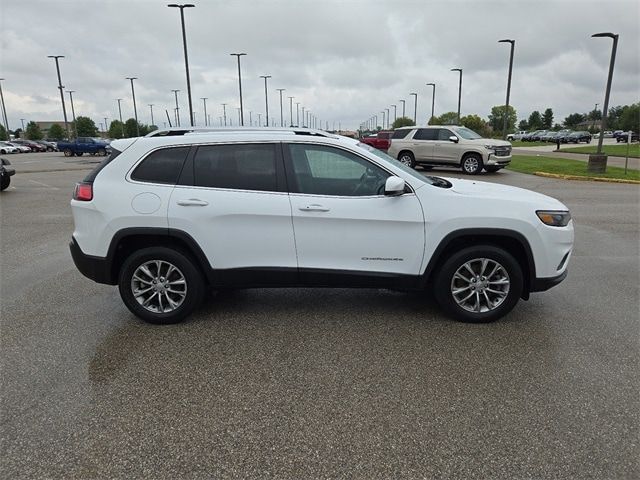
84, 145
380, 140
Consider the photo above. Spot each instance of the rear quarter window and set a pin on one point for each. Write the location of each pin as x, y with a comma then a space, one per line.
161, 166
401, 133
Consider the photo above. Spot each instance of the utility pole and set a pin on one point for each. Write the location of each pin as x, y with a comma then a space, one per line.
281, 117
506, 108
266, 98
73, 113
60, 87
135, 109
238, 55
206, 119
120, 113
175, 92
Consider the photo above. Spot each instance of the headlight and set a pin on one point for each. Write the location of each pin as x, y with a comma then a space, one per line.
554, 218
490, 147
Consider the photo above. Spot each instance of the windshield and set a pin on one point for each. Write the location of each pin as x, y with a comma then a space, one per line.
395, 163
467, 134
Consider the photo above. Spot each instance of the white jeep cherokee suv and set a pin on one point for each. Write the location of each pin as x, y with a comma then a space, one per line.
165, 217
449, 146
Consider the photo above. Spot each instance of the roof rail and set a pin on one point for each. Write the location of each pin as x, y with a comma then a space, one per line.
177, 131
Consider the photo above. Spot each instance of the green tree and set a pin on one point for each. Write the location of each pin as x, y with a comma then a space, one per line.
17, 133
85, 127
496, 118
33, 131
447, 118
4, 135
547, 119
403, 122
115, 129
523, 125
475, 123
56, 132
630, 118
613, 117
573, 120
535, 120
130, 128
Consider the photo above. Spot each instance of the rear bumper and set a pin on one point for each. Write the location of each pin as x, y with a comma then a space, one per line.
543, 284
97, 269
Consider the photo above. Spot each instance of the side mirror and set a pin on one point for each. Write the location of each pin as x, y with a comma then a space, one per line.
453, 139
394, 186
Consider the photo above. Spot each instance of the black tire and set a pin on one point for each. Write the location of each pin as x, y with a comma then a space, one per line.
185, 269
426, 167
445, 283
102, 152
492, 169
68, 152
3, 152
5, 180
49, 149
472, 164
407, 158
79, 154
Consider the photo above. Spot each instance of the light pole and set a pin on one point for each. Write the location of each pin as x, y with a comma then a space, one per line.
224, 113
598, 161
266, 97
120, 113
303, 117
239, 115
60, 87
250, 118
259, 119
240, 87
73, 113
186, 58
383, 122
297, 114
402, 107
106, 126
281, 117
291, 111
394, 113
415, 108
506, 108
151, 108
23, 133
459, 91
175, 92
433, 99
388, 115
4, 110
595, 113
135, 109
206, 121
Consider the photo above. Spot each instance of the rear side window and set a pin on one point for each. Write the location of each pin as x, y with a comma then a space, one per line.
401, 133
161, 166
238, 167
426, 134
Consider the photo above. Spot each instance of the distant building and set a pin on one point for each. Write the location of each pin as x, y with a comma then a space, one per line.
45, 126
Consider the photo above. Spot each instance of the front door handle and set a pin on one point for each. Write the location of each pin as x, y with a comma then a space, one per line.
314, 208
192, 202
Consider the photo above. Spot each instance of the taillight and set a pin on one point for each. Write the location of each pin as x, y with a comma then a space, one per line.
83, 192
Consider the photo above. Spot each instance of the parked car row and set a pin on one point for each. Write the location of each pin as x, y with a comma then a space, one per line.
26, 146
564, 136
622, 136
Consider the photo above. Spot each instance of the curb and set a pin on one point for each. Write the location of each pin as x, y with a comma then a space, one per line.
588, 179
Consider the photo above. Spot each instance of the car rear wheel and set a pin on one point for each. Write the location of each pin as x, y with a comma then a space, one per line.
479, 284
407, 159
68, 152
4, 182
102, 152
492, 169
160, 285
472, 164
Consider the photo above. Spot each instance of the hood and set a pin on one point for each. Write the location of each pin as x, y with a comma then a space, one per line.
497, 191
491, 141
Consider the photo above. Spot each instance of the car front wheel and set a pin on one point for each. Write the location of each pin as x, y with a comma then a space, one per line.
472, 164
479, 284
5, 181
492, 169
160, 285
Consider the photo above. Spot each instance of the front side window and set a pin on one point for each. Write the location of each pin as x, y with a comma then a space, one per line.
238, 167
161, 166
467, 133
323, 170
444, 134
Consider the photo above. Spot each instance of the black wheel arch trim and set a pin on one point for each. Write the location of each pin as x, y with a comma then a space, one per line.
436, 257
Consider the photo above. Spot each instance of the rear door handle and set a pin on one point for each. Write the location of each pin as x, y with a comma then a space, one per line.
314, 208
192, 202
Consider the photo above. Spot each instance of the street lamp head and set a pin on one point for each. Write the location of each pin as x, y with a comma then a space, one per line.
186, 5
456, 70
433, 84
131, 78
55, 56
265, 76
605, 34
414, 94
237, 54
506, 40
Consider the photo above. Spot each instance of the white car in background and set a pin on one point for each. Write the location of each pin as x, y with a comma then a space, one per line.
7, 148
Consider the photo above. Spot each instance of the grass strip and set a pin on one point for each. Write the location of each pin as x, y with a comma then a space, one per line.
562, 166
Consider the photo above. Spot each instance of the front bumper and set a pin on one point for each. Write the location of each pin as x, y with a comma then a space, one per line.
543, 284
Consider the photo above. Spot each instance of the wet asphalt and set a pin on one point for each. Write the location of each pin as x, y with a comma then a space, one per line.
302, 383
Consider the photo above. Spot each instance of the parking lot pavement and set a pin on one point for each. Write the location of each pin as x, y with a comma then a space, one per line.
50, 162
300, 383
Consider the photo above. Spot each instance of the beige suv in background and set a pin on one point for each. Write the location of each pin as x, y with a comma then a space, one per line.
448, 146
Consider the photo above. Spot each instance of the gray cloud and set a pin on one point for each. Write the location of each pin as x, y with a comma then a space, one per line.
343, 60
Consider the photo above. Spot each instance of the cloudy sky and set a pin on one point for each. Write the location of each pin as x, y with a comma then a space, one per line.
343, 60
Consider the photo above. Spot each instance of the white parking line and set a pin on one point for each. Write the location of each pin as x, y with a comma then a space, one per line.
44, 185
